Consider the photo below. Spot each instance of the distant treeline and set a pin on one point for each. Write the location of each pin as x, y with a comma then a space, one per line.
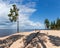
53, 24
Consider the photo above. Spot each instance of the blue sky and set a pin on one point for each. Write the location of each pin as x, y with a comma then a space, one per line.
47, 9
32, 13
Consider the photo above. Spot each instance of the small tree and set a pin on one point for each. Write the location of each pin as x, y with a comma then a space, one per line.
58, 23
46, 23
53, 25
13, 15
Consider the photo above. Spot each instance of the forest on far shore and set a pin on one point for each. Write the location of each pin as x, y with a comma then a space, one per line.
52, 24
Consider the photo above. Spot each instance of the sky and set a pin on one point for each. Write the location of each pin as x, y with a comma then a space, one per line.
32, 13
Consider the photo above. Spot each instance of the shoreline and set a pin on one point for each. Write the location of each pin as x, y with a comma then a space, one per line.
50, 32
19, 38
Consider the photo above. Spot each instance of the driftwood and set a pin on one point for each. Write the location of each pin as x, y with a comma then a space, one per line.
27, 42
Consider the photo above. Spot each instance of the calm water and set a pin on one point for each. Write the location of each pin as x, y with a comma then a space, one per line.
6, 32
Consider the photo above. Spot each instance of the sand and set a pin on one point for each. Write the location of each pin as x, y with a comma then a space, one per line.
20, 42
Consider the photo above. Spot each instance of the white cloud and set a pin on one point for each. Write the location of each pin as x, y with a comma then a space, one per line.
24, 15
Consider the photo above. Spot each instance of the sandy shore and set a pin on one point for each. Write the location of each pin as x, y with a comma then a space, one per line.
52, 37
51, 32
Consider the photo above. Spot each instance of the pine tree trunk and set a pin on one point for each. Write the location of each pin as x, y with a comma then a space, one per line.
18, 26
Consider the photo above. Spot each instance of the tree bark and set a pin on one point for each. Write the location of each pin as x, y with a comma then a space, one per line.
18, 25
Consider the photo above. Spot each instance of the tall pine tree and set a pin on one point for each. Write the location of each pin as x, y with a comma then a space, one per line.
46, 23
13, 15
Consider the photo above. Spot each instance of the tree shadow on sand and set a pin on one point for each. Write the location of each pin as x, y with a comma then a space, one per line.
54, 40
9, 41
34, 39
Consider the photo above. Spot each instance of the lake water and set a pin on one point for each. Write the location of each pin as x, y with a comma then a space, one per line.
6, 32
